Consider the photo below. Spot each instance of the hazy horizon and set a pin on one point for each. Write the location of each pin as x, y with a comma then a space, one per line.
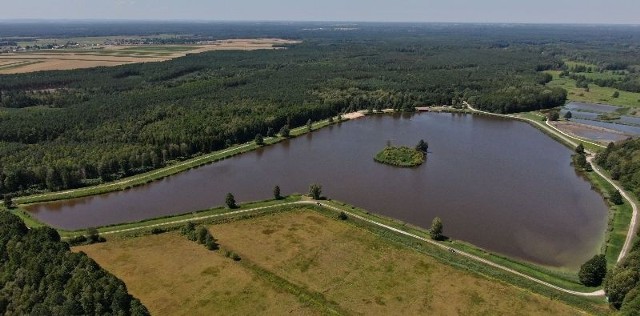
401, 11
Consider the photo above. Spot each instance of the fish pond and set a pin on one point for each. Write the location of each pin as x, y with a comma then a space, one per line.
499, 184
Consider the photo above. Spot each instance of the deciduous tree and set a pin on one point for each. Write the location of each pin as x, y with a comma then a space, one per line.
593, 271
276, 193
435, 232
616, 198
230, 200
315, 191
259, 140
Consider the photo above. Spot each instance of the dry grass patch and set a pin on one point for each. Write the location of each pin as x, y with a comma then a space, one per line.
365, 274
174, 276
310, 255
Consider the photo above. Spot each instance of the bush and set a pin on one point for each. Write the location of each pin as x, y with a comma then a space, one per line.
199, 234
232, 255
343, 216
157, 230
616, 198
77, 240
189, 231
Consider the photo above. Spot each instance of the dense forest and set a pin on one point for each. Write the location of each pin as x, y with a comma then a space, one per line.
622, 284
39, 275
621, 160
67, 129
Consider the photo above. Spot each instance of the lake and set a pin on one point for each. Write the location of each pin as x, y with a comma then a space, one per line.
499, 184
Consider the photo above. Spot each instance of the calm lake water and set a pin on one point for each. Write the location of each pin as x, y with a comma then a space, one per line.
499, 184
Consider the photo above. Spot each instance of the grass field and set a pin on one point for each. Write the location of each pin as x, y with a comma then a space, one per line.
303, 262
595, 94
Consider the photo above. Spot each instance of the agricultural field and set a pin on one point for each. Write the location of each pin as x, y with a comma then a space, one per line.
114, 55
303, 262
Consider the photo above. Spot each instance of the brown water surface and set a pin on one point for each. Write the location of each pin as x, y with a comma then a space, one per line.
499, 184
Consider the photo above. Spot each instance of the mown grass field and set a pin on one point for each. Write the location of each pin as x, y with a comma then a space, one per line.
303, 262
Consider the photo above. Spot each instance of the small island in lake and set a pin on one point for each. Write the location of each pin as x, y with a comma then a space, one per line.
403, 156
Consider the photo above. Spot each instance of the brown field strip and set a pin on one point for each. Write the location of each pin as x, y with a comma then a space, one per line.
120, 55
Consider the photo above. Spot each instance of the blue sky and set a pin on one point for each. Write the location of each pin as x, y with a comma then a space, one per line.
520, 11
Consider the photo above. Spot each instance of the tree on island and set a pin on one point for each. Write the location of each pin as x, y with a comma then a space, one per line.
580, 149
230, 200
568, 115
593, 271
422, 146
259, 140
315, 191
276, 193
616, 198
435, 232
284, 131
553, 116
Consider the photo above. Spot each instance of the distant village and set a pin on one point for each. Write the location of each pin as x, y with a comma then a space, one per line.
13, 45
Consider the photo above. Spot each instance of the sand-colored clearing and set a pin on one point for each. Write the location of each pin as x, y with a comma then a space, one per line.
359, 271
120, 55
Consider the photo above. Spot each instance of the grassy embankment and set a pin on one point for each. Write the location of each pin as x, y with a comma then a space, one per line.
401, 156
158, 174
314, 263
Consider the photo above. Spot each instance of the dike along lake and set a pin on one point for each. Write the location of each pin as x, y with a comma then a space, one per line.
499, 184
